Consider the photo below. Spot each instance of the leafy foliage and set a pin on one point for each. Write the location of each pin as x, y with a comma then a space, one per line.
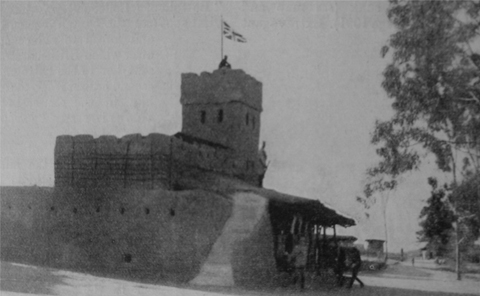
434, 81
466, 198
437, 220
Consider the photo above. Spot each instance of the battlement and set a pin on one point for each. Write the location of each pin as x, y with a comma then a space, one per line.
135, 161
83, 161
220, 133
221, 86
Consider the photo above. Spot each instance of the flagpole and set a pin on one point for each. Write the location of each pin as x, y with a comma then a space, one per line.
221, 36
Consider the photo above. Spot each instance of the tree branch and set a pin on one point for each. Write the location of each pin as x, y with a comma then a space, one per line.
473, 99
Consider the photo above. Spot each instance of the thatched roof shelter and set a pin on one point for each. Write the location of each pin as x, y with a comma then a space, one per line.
282, 204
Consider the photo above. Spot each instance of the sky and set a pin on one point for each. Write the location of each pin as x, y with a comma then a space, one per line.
113, 68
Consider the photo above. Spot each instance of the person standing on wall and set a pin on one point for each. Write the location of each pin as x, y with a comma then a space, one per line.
262, 159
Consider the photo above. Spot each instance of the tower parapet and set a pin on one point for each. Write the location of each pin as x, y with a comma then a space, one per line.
223, 107
221, 86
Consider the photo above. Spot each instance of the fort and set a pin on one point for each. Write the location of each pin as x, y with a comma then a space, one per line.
220, 133
188, 207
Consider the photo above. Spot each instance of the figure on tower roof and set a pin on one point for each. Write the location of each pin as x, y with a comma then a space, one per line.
224, 63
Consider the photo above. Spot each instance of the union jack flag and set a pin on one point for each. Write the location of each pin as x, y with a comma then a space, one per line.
231, 34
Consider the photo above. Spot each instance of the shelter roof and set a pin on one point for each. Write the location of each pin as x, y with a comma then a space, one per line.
311, 209
374, 240
342, 237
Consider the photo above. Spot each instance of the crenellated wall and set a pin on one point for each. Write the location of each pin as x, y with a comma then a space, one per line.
221, 86
223, 107
108, 162
135, 161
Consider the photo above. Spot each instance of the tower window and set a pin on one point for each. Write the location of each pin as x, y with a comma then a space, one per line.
246, 119
220, 115
203, 116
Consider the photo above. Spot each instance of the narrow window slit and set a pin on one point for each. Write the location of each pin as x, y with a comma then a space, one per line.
220, 115
127, 258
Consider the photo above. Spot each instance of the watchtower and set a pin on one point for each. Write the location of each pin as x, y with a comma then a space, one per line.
223, 107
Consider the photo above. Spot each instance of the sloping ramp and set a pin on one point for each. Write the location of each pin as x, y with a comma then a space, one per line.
248, 208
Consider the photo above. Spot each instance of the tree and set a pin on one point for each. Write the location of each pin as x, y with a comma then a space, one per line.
434, 81
466, 198
437, 220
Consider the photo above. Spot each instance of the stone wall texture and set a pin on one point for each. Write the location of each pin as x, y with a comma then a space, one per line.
236, 95
221, 86
253, 258
233, 132
23, 225
155, 161
138, 234
126, 207
131, 161
244, 253
163, 236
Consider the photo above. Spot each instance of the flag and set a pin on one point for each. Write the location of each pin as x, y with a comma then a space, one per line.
231, 34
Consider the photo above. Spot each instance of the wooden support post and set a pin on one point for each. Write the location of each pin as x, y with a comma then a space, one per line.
335, 236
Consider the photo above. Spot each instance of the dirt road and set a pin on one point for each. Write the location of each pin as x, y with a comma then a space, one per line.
17, 279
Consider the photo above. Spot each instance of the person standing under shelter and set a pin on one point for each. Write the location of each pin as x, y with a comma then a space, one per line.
348, 259
355, 263
299, 260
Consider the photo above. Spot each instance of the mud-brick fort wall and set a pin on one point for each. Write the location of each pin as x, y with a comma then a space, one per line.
134, 161
145, 234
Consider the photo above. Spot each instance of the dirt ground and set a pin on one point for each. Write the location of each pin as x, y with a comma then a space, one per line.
396, 280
